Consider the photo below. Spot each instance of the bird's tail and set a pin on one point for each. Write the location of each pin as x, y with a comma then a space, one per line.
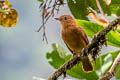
86, 64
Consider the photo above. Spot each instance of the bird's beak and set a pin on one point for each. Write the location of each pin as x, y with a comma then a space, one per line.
57, 19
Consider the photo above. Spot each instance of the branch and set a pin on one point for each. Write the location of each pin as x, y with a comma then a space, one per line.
48, 8
97, 40
110, 73
101, 11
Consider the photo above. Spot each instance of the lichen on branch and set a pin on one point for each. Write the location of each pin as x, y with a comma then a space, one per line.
98, 40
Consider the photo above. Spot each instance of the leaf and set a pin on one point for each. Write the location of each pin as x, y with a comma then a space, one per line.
117, 72
104, 61
56, 61
115, 7
61, 51
77, 72
8, 16
118, 30
10, 19
107, 63
91, 28
79, 7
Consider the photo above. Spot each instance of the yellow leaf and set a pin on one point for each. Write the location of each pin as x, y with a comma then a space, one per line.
10, 19
8, 16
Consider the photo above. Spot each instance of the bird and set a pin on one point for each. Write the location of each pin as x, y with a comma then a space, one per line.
75, 39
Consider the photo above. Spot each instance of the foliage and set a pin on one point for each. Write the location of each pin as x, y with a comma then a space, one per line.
103, 63
90, 28
79, 7
117, 72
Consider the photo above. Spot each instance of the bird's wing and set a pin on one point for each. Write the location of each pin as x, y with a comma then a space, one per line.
69, 48
84, 35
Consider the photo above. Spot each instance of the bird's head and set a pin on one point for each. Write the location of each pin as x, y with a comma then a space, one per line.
66, 20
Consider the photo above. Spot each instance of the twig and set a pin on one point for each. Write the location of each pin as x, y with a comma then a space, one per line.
110, 73
48, 9
101, 11
75, 59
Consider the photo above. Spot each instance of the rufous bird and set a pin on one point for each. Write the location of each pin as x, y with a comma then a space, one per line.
75, 39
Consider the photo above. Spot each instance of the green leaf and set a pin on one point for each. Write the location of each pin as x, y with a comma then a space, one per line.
103, 62
91, 28
79, 7
113, 39
118, 30
77, 72
61, 51
115, 7
56, 61
117, 72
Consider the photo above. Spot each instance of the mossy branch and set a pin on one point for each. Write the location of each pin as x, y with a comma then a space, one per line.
97, 41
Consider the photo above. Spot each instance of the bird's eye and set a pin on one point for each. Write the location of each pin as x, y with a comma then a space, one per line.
65, 18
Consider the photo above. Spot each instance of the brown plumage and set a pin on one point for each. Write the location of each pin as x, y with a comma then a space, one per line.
75, 39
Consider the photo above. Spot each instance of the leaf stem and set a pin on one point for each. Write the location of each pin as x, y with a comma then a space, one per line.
101, 11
